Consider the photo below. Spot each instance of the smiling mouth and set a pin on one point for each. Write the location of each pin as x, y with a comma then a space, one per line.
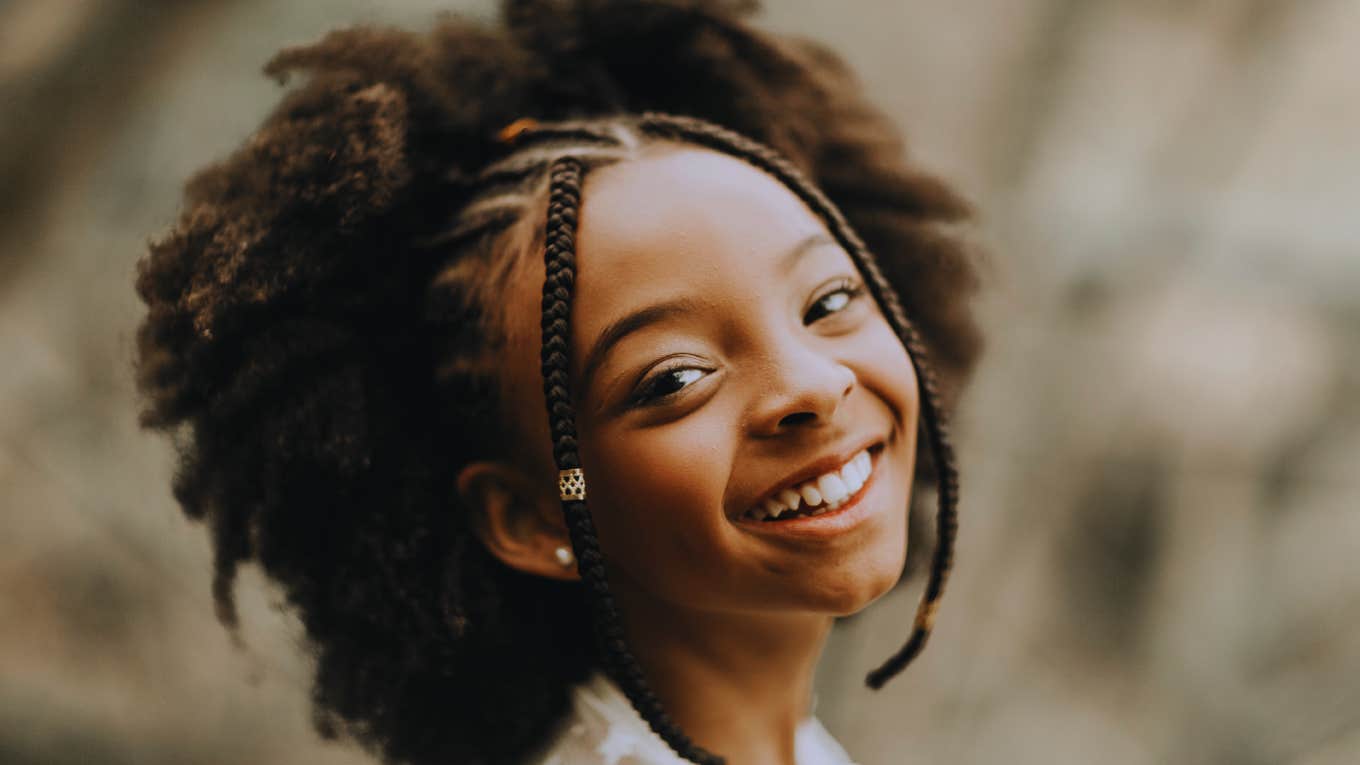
824, 494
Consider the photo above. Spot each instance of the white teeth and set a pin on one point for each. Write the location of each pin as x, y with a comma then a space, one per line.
832, 488
822, 494
853, 471
859, 467
810, 494
854, 475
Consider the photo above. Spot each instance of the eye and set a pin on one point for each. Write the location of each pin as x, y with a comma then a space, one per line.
665, 384
835, 301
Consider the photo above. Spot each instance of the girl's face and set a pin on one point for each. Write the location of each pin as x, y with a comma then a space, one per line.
724, 349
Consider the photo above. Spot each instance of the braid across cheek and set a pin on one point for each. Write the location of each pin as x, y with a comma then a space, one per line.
564, 199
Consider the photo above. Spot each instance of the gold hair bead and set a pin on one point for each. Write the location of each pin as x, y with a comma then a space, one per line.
571, 483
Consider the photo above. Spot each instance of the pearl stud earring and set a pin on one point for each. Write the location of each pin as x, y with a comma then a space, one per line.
564, 556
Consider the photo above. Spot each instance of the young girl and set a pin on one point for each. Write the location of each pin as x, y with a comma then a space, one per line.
544, 367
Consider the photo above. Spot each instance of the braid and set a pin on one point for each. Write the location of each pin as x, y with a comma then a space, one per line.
560, 264
932, 413
561, 153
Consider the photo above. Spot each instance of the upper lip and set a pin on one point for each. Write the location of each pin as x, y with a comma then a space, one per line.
824, 464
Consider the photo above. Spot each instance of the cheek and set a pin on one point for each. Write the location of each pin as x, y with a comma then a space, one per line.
657, 494
886, 370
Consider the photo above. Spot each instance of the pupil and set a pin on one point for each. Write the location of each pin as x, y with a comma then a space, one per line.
661, 388
833, 303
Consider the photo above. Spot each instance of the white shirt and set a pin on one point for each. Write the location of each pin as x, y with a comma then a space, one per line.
604, 729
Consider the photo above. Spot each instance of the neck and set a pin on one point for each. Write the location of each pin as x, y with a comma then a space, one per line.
738, 684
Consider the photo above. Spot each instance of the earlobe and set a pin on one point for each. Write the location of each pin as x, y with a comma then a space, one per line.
522, 528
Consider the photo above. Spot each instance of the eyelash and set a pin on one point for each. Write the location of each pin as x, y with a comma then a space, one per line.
852, 291
642, 398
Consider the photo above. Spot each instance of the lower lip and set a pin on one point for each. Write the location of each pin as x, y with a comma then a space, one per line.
850, 514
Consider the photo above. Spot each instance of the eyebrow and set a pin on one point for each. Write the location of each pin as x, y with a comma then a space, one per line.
658, 312
809, 243
629, 324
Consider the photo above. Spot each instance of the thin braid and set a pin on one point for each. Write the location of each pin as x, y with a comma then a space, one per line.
564, 197
464, 318
690, 130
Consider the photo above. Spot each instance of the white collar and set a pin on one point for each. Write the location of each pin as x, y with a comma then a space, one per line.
604, 729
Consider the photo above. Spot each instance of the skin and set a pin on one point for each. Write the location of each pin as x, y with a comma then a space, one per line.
772, 368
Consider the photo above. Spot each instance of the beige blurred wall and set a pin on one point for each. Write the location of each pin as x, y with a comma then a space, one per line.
1161, 511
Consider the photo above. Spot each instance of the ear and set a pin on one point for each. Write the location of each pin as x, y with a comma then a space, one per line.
517, 521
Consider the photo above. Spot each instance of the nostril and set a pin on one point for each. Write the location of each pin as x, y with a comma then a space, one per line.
797, 418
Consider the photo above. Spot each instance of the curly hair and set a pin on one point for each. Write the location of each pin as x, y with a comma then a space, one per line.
323, 335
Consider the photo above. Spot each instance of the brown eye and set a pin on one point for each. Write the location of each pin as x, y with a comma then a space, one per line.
835, 301
666, 383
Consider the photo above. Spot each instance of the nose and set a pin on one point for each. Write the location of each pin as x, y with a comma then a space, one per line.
803, 387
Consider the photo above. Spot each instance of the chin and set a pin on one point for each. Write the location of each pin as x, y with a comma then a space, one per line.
850, 592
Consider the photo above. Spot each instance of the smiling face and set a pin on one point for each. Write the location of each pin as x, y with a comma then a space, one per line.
725, 352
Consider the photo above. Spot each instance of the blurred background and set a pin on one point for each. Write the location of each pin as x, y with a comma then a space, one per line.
1160, 452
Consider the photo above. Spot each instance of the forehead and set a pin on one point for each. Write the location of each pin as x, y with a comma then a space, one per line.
679, 221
